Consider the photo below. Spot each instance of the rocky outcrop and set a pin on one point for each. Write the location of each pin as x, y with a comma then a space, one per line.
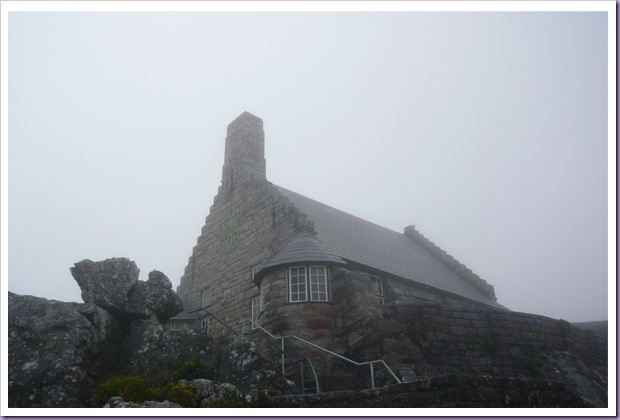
113, 285
54, 352
106, 283
241, 364
149, 347
59, 352
118, 402
154, 297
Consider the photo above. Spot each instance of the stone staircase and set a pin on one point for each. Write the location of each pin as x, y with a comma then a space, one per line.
407, 374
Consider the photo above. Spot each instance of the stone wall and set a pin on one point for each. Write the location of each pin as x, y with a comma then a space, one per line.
425, 340
456, 337
448, 391
309, 320
245, 228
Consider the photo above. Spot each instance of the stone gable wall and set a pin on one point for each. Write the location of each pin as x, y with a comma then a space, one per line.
245, 227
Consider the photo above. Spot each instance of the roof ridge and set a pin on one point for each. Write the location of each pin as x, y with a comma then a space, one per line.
334, 208
461, 269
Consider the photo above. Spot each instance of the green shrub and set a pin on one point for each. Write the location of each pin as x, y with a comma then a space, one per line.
129, 388
184, 395
191, 369
165, 386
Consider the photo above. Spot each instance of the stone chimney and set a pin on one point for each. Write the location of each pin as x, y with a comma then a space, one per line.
244, 154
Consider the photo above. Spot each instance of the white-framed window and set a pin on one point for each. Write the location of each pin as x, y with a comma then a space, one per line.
378, 288
297, 282
318, 284
206, 297
204, 325
308, 284
257, 306
255, 270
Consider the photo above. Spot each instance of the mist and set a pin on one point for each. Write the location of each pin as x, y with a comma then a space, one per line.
487, 130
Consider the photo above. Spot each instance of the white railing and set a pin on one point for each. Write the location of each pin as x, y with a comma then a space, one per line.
370, 363
316, 379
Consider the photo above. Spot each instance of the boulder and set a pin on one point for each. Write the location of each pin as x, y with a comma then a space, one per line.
108, 330
118, 402
106, 283
53, 351
149, 347
242, 365
154, 297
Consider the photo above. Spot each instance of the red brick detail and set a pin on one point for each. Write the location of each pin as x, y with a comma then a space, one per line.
320, 334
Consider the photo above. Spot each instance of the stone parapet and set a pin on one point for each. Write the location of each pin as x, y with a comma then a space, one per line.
481, 285
463, 391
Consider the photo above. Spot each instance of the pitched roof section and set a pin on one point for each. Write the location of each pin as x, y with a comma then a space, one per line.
357, 240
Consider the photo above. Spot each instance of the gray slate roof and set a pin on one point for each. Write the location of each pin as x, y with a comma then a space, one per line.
303, 248
357, 240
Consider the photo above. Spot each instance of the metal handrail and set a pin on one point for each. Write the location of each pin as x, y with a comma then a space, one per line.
370, 363
316, 379
284, 354
216, 318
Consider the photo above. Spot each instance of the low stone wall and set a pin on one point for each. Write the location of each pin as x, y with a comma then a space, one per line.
428, 340
457, 337
447, 391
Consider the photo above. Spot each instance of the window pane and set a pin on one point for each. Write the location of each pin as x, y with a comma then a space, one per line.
378, 285
206, 298
378, 288
297, 284
256, 308
318, 284
255, 270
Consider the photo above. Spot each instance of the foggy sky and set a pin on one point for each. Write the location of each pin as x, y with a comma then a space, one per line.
487, 131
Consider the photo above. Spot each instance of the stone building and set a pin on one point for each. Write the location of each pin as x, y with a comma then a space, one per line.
295, 266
